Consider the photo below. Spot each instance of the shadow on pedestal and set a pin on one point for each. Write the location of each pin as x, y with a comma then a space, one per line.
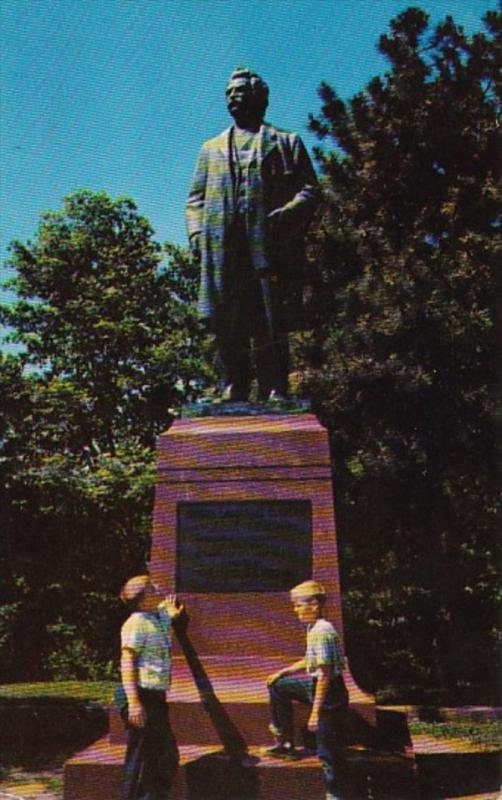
233, 743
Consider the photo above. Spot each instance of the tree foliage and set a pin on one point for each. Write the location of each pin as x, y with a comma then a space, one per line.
109, 326
111, 346
407, 329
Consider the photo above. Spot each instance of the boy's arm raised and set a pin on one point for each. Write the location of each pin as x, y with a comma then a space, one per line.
172, 606
136, 713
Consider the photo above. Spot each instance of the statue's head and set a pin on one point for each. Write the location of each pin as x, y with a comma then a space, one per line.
247, 94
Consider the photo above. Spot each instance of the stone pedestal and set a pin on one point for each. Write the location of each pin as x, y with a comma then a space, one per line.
244, 511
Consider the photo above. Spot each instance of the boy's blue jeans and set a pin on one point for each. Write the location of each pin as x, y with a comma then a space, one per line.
152, 754
330, 736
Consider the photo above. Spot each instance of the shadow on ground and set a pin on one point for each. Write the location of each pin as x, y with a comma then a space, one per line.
42, 734
458, 774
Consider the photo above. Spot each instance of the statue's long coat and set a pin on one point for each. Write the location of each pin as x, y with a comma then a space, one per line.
279, 175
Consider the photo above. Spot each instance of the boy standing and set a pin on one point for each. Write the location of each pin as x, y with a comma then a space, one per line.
152, 754
317, 680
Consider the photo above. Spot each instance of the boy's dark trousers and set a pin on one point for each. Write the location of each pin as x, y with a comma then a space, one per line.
330, 736
152, 753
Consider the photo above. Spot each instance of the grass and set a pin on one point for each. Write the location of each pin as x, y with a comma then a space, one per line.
53, 783
486, 734
86, 691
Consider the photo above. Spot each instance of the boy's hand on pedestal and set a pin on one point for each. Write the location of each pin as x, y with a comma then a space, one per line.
171, 605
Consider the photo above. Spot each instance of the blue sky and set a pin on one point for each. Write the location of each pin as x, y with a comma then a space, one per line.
118, 95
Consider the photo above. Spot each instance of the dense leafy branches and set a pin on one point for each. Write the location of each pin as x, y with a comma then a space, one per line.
407, 323
109, 327
111, 345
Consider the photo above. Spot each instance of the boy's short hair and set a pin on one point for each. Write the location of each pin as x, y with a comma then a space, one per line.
133, 590
309, 590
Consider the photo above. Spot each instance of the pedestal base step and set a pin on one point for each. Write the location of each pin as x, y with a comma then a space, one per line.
237, 722
208, 773
231, 702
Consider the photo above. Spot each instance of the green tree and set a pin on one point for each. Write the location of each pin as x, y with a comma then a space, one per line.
406, 332
112, 344
98, 314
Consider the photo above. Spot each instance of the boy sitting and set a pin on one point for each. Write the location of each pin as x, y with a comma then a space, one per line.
152, 754
316, 680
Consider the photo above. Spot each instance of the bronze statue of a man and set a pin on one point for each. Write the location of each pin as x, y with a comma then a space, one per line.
253, 193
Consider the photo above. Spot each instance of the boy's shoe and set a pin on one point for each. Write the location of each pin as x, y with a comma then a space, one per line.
276, 733
330, 796
284, 750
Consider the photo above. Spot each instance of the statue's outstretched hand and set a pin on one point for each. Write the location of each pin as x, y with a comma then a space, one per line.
194, 242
